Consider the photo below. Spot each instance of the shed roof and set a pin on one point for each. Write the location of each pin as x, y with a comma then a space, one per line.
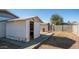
44, 23
21, 19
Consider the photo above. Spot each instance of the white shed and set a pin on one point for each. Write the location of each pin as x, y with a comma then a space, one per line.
23, 29
45, 27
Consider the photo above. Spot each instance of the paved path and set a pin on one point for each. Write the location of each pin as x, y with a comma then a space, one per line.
31, 44
38, 41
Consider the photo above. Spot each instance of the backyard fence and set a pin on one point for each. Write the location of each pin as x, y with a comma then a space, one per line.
67, 28
76, 29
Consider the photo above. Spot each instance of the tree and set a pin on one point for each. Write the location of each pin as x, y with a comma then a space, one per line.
56, 19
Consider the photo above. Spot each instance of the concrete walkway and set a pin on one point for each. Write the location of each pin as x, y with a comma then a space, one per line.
39, 40
31, 44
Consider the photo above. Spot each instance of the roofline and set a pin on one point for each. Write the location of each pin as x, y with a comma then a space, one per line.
6, 11
12, 14
39, 19
21, 19
44, 23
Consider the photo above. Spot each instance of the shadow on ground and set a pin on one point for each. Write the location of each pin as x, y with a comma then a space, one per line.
61, 42
40, 39
13, 44
7, 45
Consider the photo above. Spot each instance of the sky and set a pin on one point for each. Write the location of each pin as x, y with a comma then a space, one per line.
45, 14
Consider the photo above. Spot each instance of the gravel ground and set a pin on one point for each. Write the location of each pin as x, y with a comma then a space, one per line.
61, 40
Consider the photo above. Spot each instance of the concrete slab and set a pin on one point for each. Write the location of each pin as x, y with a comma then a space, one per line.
40, 40
31, 44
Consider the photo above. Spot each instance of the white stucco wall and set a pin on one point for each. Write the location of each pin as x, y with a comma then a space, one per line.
16, 30
36, 29
43, 26
2, 29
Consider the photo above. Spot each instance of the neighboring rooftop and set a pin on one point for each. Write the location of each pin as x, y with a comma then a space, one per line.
7, 13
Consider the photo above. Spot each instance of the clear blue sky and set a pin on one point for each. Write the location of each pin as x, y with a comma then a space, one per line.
45, 14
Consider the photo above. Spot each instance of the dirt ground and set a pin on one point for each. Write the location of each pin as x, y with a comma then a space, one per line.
61, 40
